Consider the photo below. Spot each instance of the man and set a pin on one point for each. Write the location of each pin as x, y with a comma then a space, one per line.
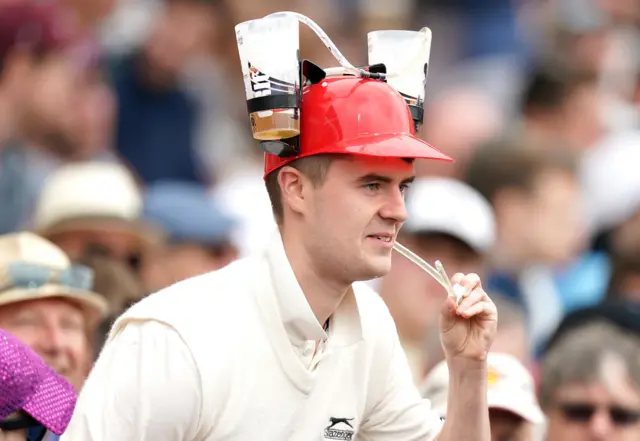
281, 345
198, 230
69, 214
535, 196
33, 398
36, 81
514, 411
437, 229
47, 303
590, 384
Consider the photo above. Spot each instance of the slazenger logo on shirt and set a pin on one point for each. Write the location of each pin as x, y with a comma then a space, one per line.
338, 429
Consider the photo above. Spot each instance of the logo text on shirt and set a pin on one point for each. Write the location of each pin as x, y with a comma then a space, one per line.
339, 429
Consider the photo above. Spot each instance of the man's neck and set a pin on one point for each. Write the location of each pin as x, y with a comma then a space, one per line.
323, 293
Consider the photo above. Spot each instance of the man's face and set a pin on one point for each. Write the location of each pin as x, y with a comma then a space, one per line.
116, 244
551, 218
414, 298
183, 31
506, 426
352, 219
56, 330
51, 111
595, 412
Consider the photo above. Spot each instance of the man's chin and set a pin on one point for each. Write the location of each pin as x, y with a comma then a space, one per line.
375, 268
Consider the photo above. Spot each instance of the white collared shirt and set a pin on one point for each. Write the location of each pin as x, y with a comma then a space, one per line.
219, 357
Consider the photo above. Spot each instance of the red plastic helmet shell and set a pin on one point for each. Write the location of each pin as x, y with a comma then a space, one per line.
356, 116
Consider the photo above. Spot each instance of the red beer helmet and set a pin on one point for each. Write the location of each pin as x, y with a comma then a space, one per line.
355, 116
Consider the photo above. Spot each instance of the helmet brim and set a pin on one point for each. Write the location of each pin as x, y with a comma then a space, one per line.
386, 145
391, 145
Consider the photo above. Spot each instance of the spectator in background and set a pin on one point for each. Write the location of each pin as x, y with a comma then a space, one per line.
536, 199
514, 411
33, 398
590, 385
48, 303
36, 81
562, 107
95, 208
436, 229
460, 118
199, 234
157, 118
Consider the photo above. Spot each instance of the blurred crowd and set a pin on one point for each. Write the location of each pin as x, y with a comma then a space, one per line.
127, 164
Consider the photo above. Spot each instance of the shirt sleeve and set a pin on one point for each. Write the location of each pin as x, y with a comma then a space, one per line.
145, 386
400, 412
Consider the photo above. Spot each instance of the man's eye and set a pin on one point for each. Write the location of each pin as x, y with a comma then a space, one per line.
373, 186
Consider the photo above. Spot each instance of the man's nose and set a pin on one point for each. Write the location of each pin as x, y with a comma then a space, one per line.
51, 341
395, 209
601, 425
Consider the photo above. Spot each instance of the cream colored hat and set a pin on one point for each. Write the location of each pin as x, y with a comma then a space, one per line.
92, 195
510, 387
32, 268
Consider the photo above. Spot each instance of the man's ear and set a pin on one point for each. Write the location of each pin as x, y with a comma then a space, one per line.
293, 185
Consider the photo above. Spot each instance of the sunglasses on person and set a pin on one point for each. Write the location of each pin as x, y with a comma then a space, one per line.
35, 430
583, 412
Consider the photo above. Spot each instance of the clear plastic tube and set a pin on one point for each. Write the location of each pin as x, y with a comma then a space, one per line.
330, 45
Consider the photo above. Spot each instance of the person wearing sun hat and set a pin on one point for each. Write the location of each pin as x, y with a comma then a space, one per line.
513, 406
48, 303
34, 399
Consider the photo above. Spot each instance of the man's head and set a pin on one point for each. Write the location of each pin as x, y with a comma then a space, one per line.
69, 214
341, 199
448, 221
345, 210
198, 229
36, 75
590, 385
536, 198
47, 303
186, 28
564, 106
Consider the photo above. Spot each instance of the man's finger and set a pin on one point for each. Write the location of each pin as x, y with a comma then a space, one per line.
464, 284
476, 296
484, 308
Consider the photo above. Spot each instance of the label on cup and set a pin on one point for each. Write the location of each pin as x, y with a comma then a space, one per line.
406, 57
268, 49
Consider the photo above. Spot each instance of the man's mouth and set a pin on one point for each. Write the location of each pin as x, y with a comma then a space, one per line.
388, 238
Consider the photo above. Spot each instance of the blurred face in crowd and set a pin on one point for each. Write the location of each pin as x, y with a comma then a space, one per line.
581, 118
414, 298
597, 411
95, 114
506, 426
56, 329
111, 242
183, 31
51, 104
548, 216
177, 262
